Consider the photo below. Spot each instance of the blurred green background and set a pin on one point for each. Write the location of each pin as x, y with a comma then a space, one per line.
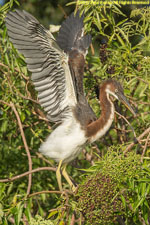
121, 43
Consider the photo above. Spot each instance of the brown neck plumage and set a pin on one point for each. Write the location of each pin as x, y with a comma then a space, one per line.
82, 112
99, 127
76, 64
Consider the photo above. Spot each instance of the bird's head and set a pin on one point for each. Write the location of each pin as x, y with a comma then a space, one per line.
113, 90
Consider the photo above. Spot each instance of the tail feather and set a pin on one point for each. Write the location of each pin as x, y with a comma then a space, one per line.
71, 34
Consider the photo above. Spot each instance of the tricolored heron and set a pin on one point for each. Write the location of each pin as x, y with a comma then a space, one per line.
57, 68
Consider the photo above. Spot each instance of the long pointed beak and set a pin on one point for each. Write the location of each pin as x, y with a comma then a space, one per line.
124, 100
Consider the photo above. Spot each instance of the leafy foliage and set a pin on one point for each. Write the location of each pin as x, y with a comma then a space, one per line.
112, 180
98, 200
39, 220
121, 46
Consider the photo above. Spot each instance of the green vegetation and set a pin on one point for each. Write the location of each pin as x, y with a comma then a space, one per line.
112, 191
115, 184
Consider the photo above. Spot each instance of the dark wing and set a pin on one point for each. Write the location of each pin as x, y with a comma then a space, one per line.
72, 40
71, 34
75, 43
47, 62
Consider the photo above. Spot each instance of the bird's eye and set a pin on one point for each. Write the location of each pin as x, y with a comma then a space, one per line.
116, 90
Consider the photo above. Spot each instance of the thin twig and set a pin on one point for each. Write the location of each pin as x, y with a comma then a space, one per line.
24, 141
126, 122
66, 192
7, 67
145, 146
138, 78
27, 173
11, 220
40, 156
25, 145
5, 103
72, 219
62, 10
92, 49
14, 90
44, 192
138, 139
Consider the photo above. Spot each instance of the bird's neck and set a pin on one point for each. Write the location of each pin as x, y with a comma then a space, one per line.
98, 128
76, 64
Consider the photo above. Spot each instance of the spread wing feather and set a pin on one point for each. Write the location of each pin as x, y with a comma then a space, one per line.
71, 34
47, 62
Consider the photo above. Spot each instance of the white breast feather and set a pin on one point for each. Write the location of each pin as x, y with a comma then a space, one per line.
65, 142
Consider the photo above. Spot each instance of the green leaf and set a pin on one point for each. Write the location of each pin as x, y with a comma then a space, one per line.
18, 214
22, 116
53, 213
123, 201
138, 203
4, 126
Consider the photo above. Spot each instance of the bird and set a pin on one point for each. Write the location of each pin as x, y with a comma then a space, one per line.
57, 67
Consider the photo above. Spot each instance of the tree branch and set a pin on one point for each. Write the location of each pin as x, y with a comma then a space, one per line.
138, 139
44, 192
25, 145
27, 173
145, 146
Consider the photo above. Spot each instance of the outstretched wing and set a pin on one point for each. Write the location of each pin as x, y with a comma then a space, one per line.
47, 62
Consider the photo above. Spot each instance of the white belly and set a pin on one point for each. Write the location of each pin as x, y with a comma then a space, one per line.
65, 142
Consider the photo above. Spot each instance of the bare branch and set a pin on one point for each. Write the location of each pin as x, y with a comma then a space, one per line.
72, 219
5, 103
138, 139
7, 67
40, 156
27, 173
44, 192
66, 192
127, 123
145, 146
25, 145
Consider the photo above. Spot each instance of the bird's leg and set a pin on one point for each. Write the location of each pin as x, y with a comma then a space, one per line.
66, 176
58, 175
